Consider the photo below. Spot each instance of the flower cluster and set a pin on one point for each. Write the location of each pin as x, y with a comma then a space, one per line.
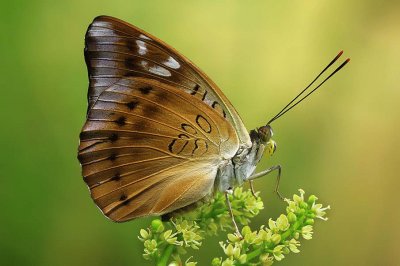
213, 216
165, 242
160, 244
271, 243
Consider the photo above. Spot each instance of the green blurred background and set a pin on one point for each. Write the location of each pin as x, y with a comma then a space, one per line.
342, 144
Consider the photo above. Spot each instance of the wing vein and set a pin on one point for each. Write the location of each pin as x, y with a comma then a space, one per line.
141, 179
141, 147
164, 107
147, 118
126, 164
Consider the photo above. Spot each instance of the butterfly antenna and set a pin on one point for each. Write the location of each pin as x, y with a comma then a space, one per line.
290, 106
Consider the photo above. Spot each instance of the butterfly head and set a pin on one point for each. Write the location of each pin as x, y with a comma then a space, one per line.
263, 137
266, 133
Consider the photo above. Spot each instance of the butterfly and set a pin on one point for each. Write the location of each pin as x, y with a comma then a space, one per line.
159, 133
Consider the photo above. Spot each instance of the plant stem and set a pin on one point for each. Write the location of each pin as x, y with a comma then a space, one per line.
254, 254
293, 229
165, 256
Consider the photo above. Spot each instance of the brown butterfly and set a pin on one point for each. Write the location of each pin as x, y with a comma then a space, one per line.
159, 134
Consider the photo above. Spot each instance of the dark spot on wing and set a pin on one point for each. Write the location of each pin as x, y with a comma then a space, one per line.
87, 135
121, 121
112, 157
145, 90
132, 104
116, 177
123, 197
216, 104
204, 96
130, 63
113, 137
195, 89
126, 202
131, 45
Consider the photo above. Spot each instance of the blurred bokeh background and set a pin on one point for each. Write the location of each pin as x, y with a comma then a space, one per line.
342, 144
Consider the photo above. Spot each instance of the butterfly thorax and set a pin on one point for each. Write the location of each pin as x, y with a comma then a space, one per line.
237, 170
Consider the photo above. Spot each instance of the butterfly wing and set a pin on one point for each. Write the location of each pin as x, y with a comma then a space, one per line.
148, 148
116, 49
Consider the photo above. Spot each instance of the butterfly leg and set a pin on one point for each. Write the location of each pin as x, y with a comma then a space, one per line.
229, 191
252, 188
266, 172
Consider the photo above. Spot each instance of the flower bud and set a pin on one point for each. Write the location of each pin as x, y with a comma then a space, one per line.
227, 262
233, 238
303, 205
150, 245
307, 232
285, 250
144, 234
243, 258
282, 222
216, 262
236, 252
297, 198
229, 250
266, 259
277, 252
246, 230
310, 221
276, 238
301, 211
312, 199
250, 238
157, 225
291, 217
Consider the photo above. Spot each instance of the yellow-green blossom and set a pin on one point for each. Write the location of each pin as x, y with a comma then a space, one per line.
166, 242
307, 232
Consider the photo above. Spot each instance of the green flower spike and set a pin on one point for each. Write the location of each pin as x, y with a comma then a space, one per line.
166, 242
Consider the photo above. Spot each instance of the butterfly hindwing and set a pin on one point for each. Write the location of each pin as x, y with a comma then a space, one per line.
148, 148
115, 49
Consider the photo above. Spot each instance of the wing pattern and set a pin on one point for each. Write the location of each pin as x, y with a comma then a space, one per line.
115, 49
148, 148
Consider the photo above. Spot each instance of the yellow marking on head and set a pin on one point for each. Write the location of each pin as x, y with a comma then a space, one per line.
270, 147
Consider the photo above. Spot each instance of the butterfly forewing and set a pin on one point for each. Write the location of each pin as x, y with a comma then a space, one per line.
148, 148
115, 49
